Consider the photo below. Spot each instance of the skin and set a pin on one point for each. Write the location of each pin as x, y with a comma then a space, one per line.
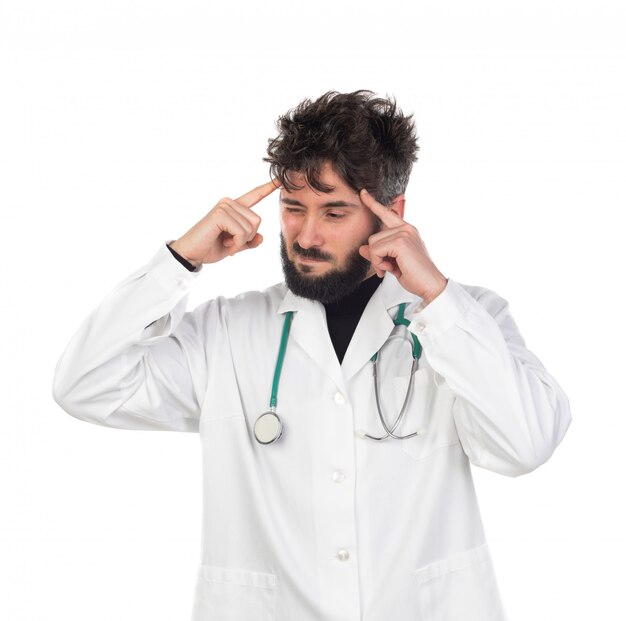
399, 249
334, 231
231, 227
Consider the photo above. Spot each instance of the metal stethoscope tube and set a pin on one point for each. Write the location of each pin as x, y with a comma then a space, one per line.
381, 416
268, 427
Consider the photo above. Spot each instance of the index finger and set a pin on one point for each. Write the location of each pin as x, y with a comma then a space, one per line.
388, 217
259, 193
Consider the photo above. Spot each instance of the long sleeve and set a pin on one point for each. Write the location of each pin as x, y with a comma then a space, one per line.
510, 414
138, 360
180, 259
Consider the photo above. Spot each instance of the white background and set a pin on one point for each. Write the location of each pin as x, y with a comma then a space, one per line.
122, 123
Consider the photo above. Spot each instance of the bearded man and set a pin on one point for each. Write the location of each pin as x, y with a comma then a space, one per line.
339, 411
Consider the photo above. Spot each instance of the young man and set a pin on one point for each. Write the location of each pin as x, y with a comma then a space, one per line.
339, 411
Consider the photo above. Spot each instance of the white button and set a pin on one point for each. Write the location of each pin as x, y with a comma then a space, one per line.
343, 555
420, 327
360, 433
339, 398
338, 476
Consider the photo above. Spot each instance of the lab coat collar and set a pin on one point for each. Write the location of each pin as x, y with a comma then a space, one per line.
310, 330
376, 323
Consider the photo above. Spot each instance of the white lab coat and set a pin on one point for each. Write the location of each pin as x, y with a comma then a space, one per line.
324, 524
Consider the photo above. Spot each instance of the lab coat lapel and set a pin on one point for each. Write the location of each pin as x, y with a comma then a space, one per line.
375, 324
310, 331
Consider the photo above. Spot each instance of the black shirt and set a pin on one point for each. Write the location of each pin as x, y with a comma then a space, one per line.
342, 316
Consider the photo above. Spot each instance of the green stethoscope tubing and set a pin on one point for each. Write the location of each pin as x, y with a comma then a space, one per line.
281, 358
268, 427
401, 320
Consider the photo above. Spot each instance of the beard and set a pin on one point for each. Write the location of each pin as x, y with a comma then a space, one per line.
325, 288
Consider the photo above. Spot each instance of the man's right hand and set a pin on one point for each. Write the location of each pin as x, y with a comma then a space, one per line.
230, 227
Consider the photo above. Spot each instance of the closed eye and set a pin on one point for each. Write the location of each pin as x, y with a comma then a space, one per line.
331, 215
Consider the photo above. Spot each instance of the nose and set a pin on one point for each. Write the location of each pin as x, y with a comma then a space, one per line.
309, 235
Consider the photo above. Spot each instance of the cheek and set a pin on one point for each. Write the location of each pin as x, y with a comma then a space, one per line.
287, 230
284, 225
366, 228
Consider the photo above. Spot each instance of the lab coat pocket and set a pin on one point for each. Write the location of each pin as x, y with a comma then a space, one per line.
461, 587
428, 411
232, 594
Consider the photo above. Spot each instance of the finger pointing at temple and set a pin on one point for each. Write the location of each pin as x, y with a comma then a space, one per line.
387, 216
258, 194
228, 228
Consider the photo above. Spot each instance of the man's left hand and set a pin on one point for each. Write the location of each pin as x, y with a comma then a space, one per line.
399, 249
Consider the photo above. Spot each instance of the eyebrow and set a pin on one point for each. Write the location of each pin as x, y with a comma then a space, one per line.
291, 201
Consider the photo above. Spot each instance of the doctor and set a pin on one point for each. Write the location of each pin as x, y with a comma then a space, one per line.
320, 500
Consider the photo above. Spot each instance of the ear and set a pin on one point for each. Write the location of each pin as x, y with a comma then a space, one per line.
397, 205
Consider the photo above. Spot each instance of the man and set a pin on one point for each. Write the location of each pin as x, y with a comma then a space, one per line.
320, 501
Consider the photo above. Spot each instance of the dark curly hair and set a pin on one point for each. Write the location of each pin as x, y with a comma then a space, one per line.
369, 142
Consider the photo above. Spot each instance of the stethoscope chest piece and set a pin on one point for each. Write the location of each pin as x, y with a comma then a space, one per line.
268, 428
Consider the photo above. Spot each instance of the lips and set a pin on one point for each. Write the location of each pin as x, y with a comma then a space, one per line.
310, 260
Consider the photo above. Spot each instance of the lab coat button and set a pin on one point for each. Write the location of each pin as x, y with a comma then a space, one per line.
420, 327
343, 555
339, 398
338, 476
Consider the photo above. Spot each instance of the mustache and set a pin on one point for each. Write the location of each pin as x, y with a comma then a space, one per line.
310, 253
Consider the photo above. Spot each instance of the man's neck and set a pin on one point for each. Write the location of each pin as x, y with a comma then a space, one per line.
355, 302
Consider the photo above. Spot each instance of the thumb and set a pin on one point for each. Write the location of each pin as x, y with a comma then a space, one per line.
364, 251
255, 241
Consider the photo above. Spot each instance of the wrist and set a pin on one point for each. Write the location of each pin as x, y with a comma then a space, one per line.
431, 295
181, 253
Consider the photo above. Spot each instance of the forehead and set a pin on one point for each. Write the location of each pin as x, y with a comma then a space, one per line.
340, 191
327, 176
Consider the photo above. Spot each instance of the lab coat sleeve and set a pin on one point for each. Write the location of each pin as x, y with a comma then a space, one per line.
510, 414
138, 360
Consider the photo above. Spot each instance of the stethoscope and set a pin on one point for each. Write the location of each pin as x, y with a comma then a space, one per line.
268, 426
